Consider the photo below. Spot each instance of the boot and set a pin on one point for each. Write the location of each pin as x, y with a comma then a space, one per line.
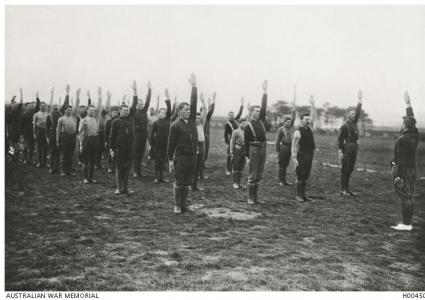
177, 199
256, 190
240, 180
235, 180
251, 191
304, 185
300, 197
184, 193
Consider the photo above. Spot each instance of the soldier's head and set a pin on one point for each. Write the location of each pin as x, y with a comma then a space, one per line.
256, 112
409, 122
68, 110
162, 113
242, 123
198, 118
305, 119
28, 107
55, 107
124, 111
287, 121
184, 110
152, 111
82, 110
43, 106
140, 104
231, 115
351, 115
114, 114
91, 111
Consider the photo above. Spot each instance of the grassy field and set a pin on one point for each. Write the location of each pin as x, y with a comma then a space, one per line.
63, 235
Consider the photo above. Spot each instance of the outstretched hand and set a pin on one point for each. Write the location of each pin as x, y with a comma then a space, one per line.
201, 97
407, 98
167, 95
192, 79
37, 96
148, 85
265, 86
78, 91
360, 95
134, 86
242, 101
67, 88
214, 96
99, 91
311, 100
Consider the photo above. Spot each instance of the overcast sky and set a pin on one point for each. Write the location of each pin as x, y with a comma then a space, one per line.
327, 51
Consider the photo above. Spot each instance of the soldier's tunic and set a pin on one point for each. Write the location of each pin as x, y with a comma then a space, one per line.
182, 149
141, 134
159, 138
404, 161
255, 150
284, 137
40, 129
229, 127
348, 144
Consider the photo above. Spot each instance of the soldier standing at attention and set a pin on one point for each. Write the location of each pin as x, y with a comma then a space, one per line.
89, 137
66, 133
231, 124
211, 107
284, 146
122, 143
141, 132
348, 146
255, 147
182, 148
159, 137
303, 150
404, 166
39, 122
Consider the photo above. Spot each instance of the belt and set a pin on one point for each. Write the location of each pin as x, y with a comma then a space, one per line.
238, 146
351, 142
258, 144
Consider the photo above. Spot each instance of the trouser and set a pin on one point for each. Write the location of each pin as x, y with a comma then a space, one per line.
183, 175
29, 144
405, 193
101, 149
139, 150
199, 164
284, 158
257, 161
238, 164
90, 151
13, 141
229, 159
123, 165
67, 147
305, 161
41, 138
54, 154
111, 162
348, 162
159, 169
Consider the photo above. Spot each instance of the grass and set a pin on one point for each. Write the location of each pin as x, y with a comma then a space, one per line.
63, 235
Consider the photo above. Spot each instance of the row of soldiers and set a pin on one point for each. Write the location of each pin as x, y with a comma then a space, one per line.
181, 136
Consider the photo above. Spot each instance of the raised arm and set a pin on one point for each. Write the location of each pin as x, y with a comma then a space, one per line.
168, 104
157, 105
99, 102
211, 108
264, 102
249, 114
52, 92
108, 101
293, 114
203, 109
193, 98
148, 98
77, 103
409, 109
134, 103
359, 106
312, 113
58, 130
66, 101
88, 98
238, 116
37, 103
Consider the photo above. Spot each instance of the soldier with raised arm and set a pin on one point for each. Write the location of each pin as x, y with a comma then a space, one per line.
159, 137
404, 166
66, 132
141, 132
255, 147
284, 146
39, 122
303, 147
27, 130
182, 148
229, 127
348, 146
89, 138
122, 143
52, 124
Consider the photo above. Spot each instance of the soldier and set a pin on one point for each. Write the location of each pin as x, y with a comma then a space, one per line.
27, 130
182, 148
231, 124
66, 133
237, 151
255, 147
348, 146
303, 147
284, 145
152, 117
52, 124
211, 107
108, 126
102, 128
159, 137
89, 139
122, 143
13, 122
199, 161
141, 132
404, 166
40, 133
